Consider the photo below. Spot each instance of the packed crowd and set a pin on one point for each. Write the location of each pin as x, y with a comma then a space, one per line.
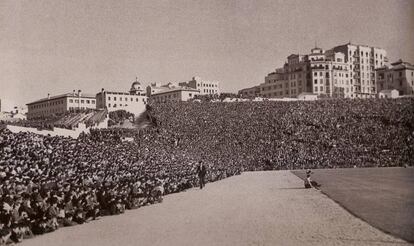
50, 182
292, 135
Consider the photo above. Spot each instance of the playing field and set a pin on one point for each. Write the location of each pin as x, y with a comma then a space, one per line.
255, 208
384, 197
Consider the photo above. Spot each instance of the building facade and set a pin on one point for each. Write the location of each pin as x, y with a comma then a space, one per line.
320, 72
60, 104
205, 87
250, 92
345, 71
170, 92
133, 101
363, 60
399, 76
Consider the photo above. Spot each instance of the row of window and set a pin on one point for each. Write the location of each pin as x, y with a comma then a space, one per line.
367, 54
280, 86
126, 99
87, 101
207, 85
169, 96
115, 105
47, 104
282, 93
339, 74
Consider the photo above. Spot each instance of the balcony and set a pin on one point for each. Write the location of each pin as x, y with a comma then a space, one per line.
337, 68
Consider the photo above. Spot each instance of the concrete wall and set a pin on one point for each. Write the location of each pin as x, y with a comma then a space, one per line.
56, 132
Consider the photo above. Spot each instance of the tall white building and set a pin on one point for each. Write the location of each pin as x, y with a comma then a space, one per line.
346, 71
363, 60
320, 72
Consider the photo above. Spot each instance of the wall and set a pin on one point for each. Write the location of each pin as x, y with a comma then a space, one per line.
56, 132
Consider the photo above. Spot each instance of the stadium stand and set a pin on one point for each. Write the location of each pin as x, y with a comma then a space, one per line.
48, 182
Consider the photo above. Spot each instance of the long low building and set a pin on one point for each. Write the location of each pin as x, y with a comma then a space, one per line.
170, 92
60, 104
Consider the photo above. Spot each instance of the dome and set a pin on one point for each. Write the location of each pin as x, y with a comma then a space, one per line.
135, 87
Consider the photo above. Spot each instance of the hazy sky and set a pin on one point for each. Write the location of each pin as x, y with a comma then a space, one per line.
57, 46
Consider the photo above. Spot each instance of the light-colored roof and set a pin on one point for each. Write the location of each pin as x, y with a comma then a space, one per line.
83, 95
387, 91
168, 90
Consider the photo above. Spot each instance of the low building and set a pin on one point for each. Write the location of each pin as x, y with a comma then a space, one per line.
306, 96
204, 86
133, 101
251, 92
60, 104
388, 94
399, 76
170, 92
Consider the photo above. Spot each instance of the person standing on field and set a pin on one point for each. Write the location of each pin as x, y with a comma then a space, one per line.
201, 171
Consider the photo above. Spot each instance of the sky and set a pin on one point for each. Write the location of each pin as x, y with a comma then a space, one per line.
58, 46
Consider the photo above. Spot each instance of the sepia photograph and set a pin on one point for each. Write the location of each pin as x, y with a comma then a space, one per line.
206, 122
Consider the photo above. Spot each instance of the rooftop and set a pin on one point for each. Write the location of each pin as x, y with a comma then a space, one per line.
83, 95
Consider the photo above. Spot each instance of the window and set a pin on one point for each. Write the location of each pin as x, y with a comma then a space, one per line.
316, 89
315, 81
137, 100
120, 99
76, 101
315, 74
70, 100
88, 101
109, 98
109, 105
126, 99
93, 101
132, 99
114, 100
82, 101
321, 88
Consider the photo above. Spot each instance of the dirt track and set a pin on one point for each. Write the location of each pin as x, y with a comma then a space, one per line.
261, 208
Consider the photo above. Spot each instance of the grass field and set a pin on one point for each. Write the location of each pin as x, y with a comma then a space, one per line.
383, 197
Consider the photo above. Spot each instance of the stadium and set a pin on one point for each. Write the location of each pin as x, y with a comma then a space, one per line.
256, 154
